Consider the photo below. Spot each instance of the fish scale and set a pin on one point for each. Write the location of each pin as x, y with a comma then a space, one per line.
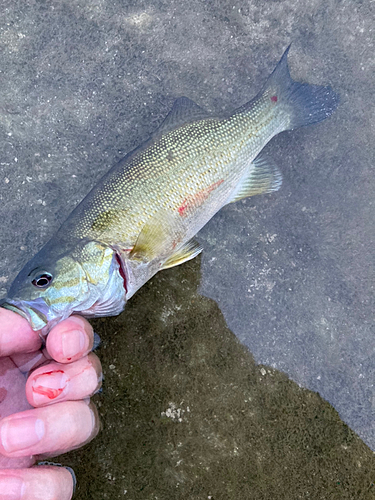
143, 214
207, 156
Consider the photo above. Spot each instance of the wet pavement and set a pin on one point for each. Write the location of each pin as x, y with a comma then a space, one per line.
291, 274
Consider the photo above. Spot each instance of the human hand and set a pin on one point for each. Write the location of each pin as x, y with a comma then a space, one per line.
49, 412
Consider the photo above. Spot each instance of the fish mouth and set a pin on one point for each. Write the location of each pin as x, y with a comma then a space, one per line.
34, 315
12, 307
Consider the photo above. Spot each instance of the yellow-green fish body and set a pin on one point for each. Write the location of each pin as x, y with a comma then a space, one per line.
143, 214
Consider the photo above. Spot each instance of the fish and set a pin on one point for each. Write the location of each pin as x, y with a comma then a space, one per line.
143, 215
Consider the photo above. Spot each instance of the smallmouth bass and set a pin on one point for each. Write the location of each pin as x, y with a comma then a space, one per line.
144, 213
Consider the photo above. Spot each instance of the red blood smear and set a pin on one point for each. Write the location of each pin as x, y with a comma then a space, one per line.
52, 371
47, 391
121, 270
274, 98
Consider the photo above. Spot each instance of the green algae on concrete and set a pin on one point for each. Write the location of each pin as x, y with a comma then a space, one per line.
187, 414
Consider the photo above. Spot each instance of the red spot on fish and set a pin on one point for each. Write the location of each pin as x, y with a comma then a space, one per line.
195, 200
121, 271
274, 98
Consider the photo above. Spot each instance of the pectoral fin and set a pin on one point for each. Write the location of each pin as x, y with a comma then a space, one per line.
262, 177
190, 250
159, 235
151, 239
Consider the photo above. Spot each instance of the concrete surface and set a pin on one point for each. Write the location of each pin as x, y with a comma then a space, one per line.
293, 272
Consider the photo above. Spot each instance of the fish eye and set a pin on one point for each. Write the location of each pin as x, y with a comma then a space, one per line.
42, 280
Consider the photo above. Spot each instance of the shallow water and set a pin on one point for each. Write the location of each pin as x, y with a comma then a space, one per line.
291, 272
187, 413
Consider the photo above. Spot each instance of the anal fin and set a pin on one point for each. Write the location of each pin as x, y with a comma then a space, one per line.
187, 252
262, 176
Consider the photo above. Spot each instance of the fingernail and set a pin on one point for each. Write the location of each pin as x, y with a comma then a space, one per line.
95, 420
97, 341
48, 386
69, 469
73, 342
21, 433
74, 478
11, 487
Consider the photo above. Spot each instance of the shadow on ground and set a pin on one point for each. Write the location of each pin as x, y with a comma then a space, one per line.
187, 414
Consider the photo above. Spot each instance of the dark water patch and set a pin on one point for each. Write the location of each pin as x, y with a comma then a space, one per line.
187, 414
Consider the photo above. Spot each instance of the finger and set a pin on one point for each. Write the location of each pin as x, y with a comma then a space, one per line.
12, 389
26, 362
37, 483
57, 382
16, 334
50, 430
70, 340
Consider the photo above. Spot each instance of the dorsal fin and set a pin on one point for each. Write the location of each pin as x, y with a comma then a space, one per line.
184, 110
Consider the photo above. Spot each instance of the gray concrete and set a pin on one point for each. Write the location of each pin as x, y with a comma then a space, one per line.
84, 82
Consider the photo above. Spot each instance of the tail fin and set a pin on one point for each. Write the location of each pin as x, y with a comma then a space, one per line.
303, 103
